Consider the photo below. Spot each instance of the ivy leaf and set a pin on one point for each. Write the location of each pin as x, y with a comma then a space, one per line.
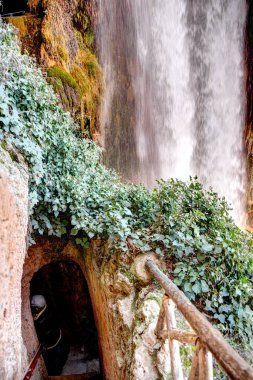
220, 317
204, 286
177, 270
231, 320
225, 309
209, 306
196, 288
201, 257
83, 242
187, 287
159, 251
218, 249
178, 281
207, 247
188, 250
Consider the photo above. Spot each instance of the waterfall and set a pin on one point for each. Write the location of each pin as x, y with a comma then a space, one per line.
174, 102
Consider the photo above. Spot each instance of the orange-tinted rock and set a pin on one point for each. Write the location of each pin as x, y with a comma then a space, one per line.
60, 35
13, 235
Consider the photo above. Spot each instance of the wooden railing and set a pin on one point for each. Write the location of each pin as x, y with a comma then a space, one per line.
207, 339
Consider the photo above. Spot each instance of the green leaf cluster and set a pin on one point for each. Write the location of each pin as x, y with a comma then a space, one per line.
213, 257
72, 193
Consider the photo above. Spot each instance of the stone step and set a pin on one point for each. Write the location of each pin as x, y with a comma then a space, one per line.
85, 376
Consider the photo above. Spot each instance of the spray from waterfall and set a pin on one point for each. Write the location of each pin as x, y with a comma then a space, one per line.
174, 101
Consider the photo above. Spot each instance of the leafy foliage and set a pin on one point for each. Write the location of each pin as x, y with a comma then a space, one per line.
213, 257
72, 193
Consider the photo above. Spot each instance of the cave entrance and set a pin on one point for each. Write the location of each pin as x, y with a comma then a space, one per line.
13, 7
68, 304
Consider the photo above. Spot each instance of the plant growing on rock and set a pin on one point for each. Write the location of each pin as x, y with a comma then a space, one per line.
72, 193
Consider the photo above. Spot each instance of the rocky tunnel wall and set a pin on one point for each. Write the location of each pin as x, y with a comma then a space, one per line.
13, 233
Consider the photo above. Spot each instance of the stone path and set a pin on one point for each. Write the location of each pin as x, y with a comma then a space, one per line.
79, 362
86, 376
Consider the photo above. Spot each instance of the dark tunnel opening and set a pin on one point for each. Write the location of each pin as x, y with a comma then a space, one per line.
65, 324
12, 6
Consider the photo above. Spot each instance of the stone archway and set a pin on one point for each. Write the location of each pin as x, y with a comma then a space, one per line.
125, 308
50, 266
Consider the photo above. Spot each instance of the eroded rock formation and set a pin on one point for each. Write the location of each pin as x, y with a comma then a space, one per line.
60, 35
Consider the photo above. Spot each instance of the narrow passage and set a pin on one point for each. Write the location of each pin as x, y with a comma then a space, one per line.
64, 321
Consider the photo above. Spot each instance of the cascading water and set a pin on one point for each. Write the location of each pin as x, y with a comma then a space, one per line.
174, 100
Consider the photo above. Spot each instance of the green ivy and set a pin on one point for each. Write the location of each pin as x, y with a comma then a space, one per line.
72, 193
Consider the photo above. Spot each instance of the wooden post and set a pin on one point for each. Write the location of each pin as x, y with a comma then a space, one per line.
185, 337
33, 364
160, 323
205, 364
195, 364
176, 367
233, 364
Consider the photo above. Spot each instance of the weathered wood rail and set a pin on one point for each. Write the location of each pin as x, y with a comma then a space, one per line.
207, 339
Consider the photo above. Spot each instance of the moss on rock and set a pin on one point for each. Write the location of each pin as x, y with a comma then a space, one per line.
81, 78
64, 76
83, 25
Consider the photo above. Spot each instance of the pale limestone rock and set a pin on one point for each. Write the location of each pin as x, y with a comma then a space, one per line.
144, 366
150, 309
122, 285
163, 361
150, 358
13, 235
125, 307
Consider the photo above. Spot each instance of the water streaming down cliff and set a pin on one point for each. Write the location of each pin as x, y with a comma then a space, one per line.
174, 100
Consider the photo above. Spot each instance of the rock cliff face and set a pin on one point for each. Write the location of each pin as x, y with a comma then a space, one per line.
13, 246
60, 35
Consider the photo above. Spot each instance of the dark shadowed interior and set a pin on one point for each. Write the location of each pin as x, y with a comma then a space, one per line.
66, 292
12, 6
